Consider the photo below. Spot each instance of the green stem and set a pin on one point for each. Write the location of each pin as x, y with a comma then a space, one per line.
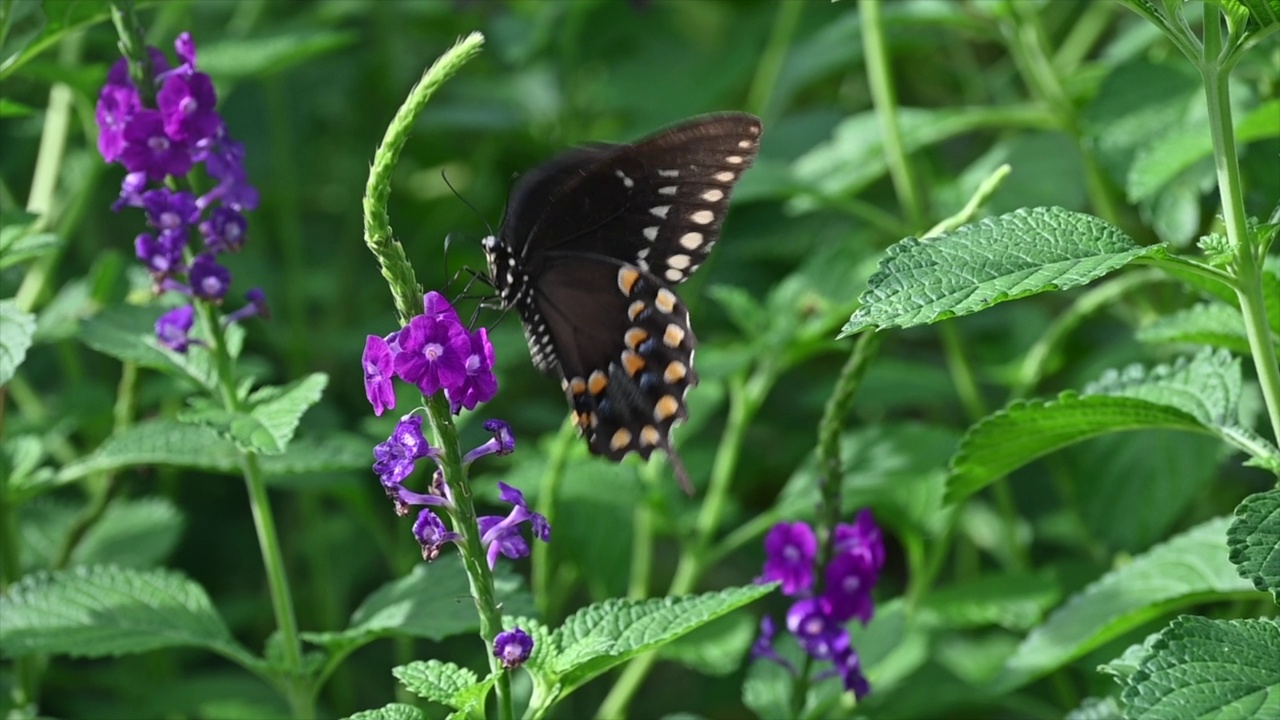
1248, 274
745, 398
771, 60
880, 79
961, 371
642, 533
548, 491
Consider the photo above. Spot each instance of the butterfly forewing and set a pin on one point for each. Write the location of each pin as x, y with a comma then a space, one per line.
591, 245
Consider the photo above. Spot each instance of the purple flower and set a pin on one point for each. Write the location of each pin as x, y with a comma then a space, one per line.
432, 534
148, 149
119, 72
436, 306
864, 538
130, 191
379, 366
848, 588
172, 328
116, 105
209, 280
187, 105
789, 552
503, 443
820, 634
479, 385
257, 307
224, 231
502, 535
762, 648
849, 667
433, 353
163, 254
186, 49
168, 210
394, 459
512, 647
225, 163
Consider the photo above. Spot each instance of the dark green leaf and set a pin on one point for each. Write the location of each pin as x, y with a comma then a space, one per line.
1254, 539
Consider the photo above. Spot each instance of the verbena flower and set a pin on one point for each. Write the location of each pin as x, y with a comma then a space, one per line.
395, 458
479, 385
501, 535
431, 534
433, 354
173, 328
789, 551
379, 368
158, 145
818, 621
503, 442
513, 647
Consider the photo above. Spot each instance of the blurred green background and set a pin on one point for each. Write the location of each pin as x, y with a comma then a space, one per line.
309, 87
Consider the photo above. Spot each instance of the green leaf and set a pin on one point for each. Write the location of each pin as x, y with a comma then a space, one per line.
1254, 540
21, 458
18, 240
13, 109
1015, 602
1198, 395
252, 57
1263, 13
1189, 569
1162, 160
445, 683
127, 333
106, 611
1202, 668
715, 649
268, 423
39, 26
132, 533
394, 711
16, 329
1214, 324
431, 602
604, 635
982, 264
1096, 709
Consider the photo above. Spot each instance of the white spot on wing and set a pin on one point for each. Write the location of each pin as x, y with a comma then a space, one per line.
724, 176
673, 275
744, 144
691, 241
669, 173
732, 160
712, 195
628, 182
660, 211
702, 217
651, 233
668, 190
679, 262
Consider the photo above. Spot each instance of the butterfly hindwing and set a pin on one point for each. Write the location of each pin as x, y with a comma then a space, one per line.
590, 248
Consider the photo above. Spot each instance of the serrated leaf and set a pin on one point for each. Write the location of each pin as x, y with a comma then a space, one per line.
131, 533
1213, 324
106, 611
127, 333
1188, 569
601, 636
744, 311
16, 329
1162, 160
445, 683
1254, 541
273, 414
1263, 13
1022, 253
1202, 668
394, 711
433, 602
1096, 709
1197, 395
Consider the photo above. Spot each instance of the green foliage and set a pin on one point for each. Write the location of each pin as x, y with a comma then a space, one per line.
1212, 324
269, 419
446, 684
1254, 539
18, 329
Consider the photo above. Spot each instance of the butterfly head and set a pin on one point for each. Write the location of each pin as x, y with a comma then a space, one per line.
502, 269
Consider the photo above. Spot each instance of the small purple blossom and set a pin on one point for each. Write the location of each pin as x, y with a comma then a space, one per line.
431, 534
437, 307
479, 385
116, 106
130, 191
849, 667
394, 459
257, 307
187, 105
225, 163
185, 47
503, 442
820, 634
224, 231
762, 648
209, 280
864, 538
148, 149
169, 210
502, 535
119, 72
789, 552
161, 254
379, 367
512, 647
173, 328
432, 353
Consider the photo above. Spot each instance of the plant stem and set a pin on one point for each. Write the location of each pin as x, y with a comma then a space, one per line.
548, 491
642, 534
884, 97
1248, 273
775, 53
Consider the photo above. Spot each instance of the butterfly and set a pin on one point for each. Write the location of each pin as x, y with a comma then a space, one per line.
590, 248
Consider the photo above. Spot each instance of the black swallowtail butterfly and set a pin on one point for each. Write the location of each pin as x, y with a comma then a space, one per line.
590, 246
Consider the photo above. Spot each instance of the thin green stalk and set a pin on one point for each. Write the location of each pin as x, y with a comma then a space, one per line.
548, 492
771, 59
286, 212
745, 398
1227, 164
962, 376
642, 533
880, 79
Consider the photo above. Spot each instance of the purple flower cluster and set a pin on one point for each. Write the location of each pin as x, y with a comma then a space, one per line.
394, 462
158, 146
817, 620
435, 352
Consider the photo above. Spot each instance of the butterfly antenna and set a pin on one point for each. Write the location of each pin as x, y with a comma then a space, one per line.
468, 204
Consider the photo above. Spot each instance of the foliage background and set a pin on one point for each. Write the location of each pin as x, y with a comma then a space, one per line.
309, 87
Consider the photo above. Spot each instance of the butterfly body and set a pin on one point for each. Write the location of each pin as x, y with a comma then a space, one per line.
592, 245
